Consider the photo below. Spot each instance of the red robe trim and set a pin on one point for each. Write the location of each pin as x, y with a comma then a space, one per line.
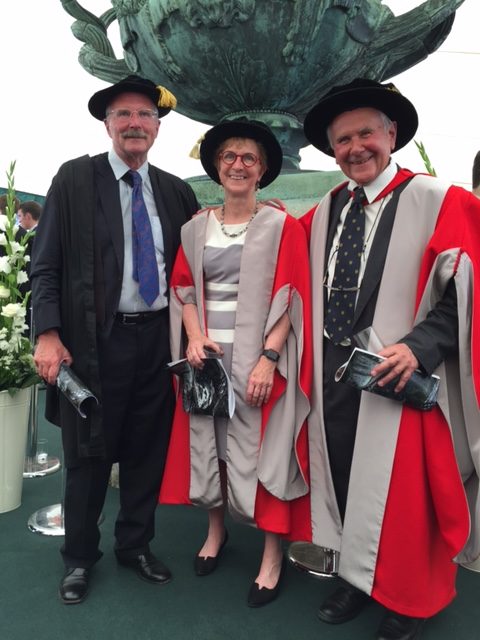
290, 518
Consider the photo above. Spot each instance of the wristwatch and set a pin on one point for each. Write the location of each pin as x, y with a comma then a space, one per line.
271, 354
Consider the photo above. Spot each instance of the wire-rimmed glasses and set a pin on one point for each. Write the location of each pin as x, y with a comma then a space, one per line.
124, 115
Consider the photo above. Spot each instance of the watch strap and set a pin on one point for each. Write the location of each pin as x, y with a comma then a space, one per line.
271, 354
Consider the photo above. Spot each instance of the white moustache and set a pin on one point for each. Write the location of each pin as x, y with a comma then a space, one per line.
133, 134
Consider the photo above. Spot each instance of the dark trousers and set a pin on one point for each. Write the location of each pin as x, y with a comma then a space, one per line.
137, 402
341, 405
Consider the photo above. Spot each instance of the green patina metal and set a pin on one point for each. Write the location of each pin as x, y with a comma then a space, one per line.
271, 59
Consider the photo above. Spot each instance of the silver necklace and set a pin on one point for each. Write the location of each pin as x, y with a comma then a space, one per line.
238, 233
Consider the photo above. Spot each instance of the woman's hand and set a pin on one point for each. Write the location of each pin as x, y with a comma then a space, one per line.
195, 352
260, 382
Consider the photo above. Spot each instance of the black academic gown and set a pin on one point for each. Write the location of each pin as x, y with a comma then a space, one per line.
77, 269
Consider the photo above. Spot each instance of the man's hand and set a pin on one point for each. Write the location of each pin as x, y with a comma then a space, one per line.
400, 361
49, 355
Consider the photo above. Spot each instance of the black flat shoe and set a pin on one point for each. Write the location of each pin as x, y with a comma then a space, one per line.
147, 567
74, 586
343, 605
260, 596
397, 627
204, 566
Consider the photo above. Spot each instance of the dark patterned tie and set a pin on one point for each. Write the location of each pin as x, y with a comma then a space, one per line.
145, 269
341, 304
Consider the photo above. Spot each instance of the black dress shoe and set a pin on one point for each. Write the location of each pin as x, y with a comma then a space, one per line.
260, 596
148, 567
397, 627
204, 566
74, 586
343, 605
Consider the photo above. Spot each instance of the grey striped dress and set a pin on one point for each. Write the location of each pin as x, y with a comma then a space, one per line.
221, 266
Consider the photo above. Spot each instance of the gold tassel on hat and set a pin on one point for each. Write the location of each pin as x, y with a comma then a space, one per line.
391, 87
195, 152
166, 98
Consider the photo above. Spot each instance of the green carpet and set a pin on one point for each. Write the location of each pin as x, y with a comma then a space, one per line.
122, 607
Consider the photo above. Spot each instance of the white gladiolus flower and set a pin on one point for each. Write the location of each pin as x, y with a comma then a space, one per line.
11, 310
17, 248
21, 278
17, 368
5, 266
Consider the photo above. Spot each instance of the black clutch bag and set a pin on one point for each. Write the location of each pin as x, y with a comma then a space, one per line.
206, 391
420, 392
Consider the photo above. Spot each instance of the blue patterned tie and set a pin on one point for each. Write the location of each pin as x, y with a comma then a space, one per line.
341, 304
145, 269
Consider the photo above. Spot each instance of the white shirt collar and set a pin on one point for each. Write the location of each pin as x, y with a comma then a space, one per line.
372, 189
119, 167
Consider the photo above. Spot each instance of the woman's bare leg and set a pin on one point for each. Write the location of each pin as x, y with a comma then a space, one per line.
216, 525
271, 565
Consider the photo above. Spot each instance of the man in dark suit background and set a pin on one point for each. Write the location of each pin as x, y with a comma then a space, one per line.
386, 481
28, 214
100, 293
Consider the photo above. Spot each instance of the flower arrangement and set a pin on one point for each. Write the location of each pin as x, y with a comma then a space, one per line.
17, 369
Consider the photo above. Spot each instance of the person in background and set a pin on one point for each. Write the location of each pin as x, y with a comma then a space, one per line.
28, 214
396, 255
240, 288
104, 250
476, 175
3, 203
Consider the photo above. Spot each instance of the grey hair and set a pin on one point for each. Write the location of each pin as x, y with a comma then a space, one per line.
386, 122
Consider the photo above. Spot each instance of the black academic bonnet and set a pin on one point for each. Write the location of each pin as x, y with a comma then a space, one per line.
162, 98
241, 128
359, 94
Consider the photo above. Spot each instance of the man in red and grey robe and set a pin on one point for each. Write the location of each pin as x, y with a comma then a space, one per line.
394, 490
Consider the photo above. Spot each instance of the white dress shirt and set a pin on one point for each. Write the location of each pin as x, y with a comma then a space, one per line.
130, 299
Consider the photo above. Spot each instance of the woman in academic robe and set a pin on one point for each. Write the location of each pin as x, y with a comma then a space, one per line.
240, 287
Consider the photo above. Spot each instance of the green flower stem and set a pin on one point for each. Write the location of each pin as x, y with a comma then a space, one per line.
425, 158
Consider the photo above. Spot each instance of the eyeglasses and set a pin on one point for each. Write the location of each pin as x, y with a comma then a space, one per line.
230, 157
124, 115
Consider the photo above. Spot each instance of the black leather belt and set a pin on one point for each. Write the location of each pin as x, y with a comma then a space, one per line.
140, 317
